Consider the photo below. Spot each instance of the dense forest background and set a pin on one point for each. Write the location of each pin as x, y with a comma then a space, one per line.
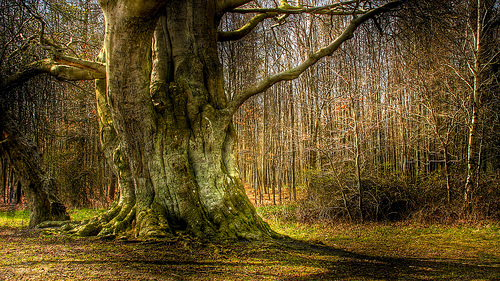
401, 123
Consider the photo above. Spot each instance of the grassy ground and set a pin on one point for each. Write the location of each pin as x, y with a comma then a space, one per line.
318, 252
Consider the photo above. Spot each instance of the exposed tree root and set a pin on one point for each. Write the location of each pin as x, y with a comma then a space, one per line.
114, 222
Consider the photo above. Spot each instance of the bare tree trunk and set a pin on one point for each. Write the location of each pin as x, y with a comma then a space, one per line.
39, 189
357, 155
475, 103
292, 141
447, 172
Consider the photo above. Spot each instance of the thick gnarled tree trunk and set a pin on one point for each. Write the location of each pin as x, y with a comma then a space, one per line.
165, 128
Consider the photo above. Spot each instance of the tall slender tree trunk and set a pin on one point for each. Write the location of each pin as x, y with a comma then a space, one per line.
472, 158
475, 102
447, 172
357, 155
292, 141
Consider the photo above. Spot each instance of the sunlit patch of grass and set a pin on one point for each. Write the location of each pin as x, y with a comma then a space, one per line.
468, 242
14, 219
84, 214
278, 212
20, 219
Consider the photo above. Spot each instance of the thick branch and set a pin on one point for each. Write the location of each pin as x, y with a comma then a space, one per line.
326, 9
244, 30
283, 9
63, 68
97, 67
293, 73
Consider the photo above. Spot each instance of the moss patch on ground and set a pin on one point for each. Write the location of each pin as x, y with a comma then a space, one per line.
316, 252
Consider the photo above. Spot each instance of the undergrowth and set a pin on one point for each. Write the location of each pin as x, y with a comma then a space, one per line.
391, 197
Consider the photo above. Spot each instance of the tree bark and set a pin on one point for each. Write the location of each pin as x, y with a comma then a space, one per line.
163, 128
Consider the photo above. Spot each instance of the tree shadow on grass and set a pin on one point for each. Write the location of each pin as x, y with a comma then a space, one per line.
350, 265
92, 259
297, 260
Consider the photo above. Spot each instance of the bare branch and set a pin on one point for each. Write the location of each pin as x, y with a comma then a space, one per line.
287, 9
293, 73
284, 9
68, 69
23, 48
244, 30
61, 66
460, 76
82, 64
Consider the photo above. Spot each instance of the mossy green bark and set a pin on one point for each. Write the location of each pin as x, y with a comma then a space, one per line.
165, 129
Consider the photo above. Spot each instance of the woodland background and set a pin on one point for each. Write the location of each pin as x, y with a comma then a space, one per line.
379, 131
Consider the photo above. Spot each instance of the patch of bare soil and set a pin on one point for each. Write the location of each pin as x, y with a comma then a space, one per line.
36, 255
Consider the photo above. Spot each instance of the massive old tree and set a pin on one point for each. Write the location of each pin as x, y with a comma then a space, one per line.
165, 119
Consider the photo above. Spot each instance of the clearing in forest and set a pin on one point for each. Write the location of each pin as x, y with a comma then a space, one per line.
316, 252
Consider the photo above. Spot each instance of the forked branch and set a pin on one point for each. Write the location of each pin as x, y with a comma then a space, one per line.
60, 66
267, 82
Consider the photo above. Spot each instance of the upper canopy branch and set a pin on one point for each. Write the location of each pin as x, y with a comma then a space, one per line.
335, 8
340, 8
61, 66
293, 73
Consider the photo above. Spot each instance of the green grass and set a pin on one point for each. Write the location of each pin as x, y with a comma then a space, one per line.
15, 219
84, 214
479, 242
20, 219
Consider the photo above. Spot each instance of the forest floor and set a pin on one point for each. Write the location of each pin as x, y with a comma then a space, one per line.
396, 251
